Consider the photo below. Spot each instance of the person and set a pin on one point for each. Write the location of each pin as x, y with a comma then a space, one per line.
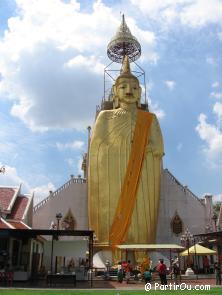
145, 264
218, 273
71, 265
128, 270
86, 266
107, 265
175, 270
107, 271
206, 264
147, 275
162, 271
122, 170
120, 272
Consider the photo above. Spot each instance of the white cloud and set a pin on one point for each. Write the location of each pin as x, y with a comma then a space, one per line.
52, 60
194, 13
212, 137
154, 107
170, 84
79, 166
41, 192
11, 178
75, 164
217, 109
217, 198
215, 84
216, 95
75, 145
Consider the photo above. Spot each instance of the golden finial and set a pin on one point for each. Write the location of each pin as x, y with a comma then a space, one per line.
125, 66
125, 71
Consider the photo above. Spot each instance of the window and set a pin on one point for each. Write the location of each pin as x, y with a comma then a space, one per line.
176, 224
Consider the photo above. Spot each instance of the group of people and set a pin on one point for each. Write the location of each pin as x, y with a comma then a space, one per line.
125, 269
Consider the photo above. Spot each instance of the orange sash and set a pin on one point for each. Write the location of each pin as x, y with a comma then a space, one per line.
128, 194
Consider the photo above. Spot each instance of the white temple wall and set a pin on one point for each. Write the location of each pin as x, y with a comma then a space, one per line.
176, 198
75, 249
73, 195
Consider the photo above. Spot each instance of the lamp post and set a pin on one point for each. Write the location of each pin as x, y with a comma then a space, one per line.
214, 218
186, 240
58, 217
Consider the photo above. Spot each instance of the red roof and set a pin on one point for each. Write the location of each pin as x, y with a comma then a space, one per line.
6, 195
18, 224
19, 207
3, 224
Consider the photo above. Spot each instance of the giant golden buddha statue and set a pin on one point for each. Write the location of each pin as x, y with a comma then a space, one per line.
125, 163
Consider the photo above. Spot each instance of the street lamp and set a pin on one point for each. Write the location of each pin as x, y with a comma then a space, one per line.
58, 217
187, 240
214, 218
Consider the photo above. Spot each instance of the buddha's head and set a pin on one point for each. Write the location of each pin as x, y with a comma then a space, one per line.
126, 88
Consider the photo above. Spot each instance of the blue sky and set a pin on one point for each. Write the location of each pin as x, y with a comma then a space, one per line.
51, 78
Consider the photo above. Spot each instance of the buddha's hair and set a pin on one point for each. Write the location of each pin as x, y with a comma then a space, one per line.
127, 76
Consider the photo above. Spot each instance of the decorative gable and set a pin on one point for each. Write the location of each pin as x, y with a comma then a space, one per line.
69, 221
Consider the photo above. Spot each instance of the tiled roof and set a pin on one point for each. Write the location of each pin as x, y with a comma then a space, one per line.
4, 224
19, 207
6, 195
18, 224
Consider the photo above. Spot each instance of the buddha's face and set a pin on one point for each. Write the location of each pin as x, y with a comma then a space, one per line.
128, 90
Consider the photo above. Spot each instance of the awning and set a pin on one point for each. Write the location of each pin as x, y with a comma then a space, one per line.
198, 250
141, 247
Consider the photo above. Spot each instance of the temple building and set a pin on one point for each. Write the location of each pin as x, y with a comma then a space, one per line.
126, 195
18, 253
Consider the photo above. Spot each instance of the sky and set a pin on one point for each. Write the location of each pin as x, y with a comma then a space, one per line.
53, 55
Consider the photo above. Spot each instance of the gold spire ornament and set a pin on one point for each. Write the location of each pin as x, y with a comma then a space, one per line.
125, 71
122, 44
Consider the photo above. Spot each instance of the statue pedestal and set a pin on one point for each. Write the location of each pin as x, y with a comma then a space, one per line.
189, 272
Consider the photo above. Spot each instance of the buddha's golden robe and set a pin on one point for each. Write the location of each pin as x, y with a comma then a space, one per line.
109, 153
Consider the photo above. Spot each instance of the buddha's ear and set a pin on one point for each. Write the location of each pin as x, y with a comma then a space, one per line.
140, 92
115, 97
139, 98
114, 89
